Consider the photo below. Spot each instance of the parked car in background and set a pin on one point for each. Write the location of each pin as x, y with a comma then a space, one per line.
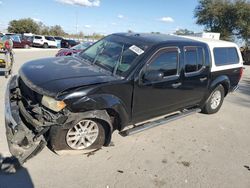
58, 41
74, 50
68, 43
28, 38
18, 41
44, 41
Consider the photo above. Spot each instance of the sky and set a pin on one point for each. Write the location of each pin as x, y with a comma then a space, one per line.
104, 16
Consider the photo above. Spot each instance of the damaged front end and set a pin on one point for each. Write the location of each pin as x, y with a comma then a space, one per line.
26, 121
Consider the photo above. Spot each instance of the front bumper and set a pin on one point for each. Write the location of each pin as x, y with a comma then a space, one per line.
23, 142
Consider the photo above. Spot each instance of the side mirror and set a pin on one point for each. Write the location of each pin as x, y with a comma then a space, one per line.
153, 76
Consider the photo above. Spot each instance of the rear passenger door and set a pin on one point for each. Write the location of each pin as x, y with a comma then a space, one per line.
195, 76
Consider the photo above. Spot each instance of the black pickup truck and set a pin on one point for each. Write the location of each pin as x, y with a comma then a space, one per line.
76, 103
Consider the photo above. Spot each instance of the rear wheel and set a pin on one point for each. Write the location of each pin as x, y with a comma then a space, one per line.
214, 101
26, 46
84, 134
45, 45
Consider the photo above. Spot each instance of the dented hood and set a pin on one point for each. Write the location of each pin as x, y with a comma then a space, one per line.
51, 76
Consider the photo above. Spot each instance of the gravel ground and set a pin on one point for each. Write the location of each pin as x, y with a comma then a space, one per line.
196, 151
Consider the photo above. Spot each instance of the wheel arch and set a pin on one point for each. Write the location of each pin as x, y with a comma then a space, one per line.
223, 80
113, 105
100, 116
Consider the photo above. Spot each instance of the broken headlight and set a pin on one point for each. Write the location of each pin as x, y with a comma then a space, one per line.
53, 104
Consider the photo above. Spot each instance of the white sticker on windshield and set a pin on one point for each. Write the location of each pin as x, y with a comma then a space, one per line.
136, 49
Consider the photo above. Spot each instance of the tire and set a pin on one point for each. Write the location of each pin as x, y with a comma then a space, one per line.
26, 46
58, 137
45, 45
214, 101
6, 74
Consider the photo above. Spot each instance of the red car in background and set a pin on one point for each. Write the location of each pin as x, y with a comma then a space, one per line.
18, 41
74, 50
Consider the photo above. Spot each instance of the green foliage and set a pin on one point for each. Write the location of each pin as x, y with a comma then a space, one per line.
56, 30
227, 17
26, 25
243, 20
43, 29
157, 32
183, 32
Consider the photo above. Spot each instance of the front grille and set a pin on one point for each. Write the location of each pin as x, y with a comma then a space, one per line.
29, 96
32, 103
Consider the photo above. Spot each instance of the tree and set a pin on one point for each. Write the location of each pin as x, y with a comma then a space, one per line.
183, 32
217, 16
243, 20
56, 30
26, 25
157, 32
227, 17
96, 36
43, 29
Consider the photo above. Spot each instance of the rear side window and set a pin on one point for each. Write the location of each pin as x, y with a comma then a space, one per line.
49, 38
58, 38
225, 56
38, 37
194, 59
166, 62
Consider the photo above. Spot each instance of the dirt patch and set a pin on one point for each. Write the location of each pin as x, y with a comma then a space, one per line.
185, 163
164, 161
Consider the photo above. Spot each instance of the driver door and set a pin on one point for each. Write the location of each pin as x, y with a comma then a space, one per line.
157, 95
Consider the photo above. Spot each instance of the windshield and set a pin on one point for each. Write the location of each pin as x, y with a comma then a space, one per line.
81, 46
113, 53
15, 38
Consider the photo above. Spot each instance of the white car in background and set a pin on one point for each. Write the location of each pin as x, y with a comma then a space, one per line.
44, 41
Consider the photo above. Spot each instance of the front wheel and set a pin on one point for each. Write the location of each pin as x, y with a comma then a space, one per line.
85, 134
214, 101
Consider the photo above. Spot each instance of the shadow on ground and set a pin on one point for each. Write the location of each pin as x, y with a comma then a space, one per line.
245, 86
13, 175
243, 99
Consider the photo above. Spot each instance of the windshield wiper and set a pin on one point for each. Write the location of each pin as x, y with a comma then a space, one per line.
85, 59
118, 62
97, 55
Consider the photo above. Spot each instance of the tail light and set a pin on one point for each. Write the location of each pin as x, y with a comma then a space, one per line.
241, 72
7, 45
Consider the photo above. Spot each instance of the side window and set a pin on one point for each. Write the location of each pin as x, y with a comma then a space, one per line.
225, 56
166, 62
194, 59
38, 37
49, 38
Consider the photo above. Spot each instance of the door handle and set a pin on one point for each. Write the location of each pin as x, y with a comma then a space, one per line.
175, 85
203, 79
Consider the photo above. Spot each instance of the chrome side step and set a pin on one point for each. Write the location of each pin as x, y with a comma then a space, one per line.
152, 124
